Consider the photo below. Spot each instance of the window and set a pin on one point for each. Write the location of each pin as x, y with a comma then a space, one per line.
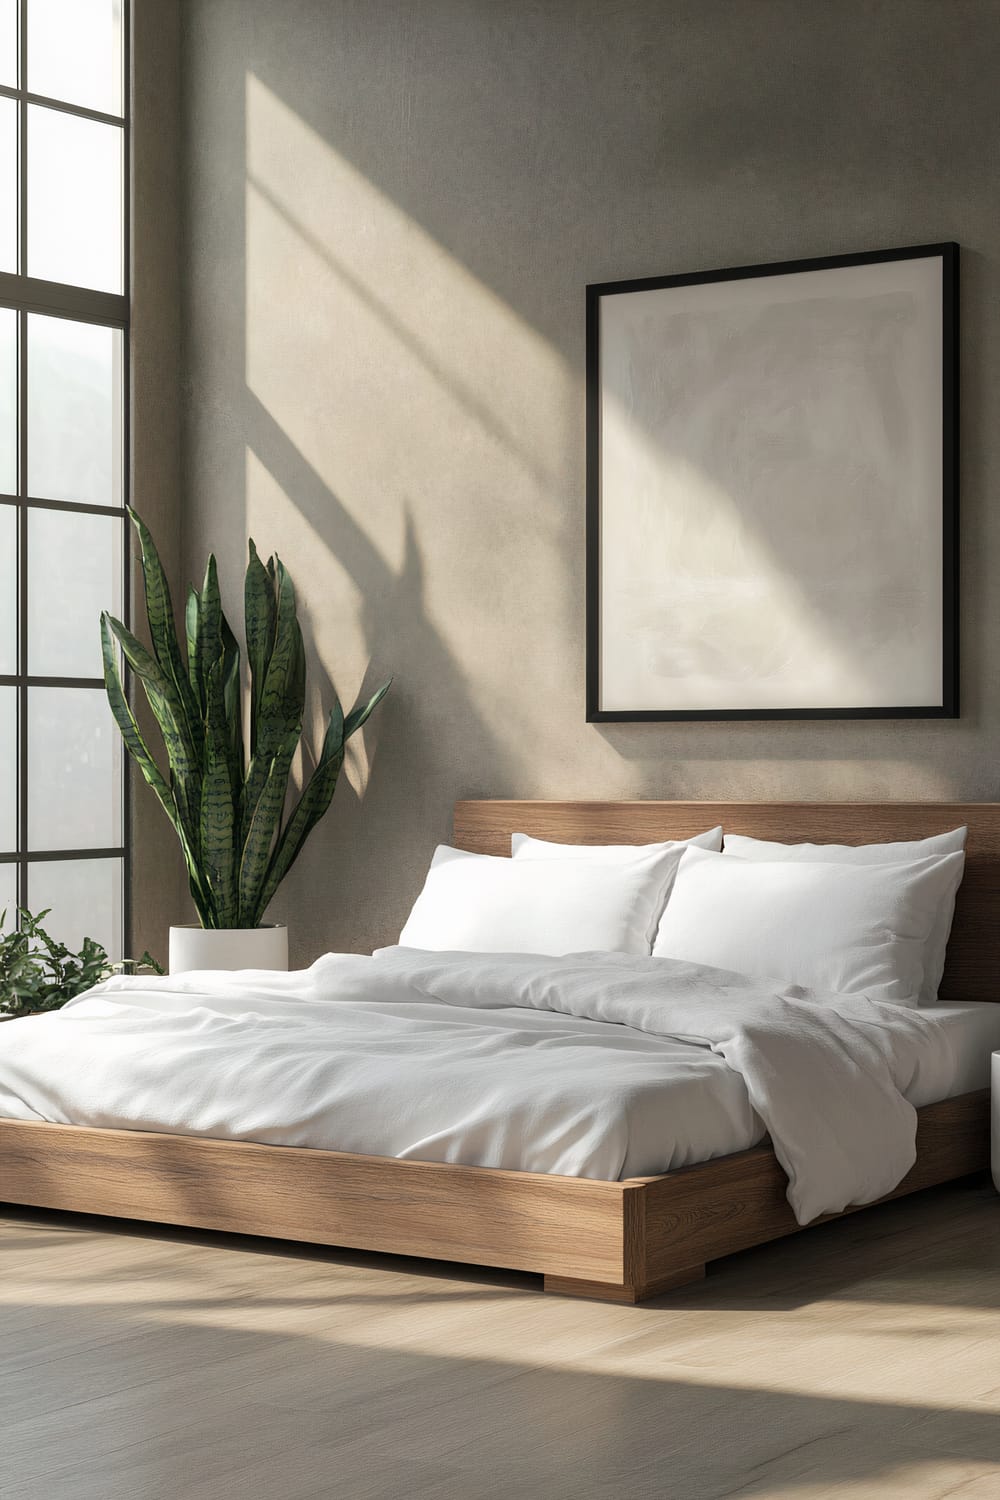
63, 448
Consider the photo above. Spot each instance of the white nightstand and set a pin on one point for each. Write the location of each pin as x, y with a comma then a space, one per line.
995, 1116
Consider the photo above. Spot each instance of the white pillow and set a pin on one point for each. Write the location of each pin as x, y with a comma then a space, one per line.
850, 929
479, 903
523, 846
878, 854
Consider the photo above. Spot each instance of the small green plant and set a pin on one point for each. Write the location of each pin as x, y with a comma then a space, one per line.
39, 973
226, 801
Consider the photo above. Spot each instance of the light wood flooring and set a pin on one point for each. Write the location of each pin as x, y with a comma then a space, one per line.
859, 1360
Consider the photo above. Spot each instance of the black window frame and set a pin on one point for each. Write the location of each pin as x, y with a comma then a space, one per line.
25, 295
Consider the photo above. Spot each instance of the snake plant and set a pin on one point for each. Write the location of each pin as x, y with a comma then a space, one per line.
226, 800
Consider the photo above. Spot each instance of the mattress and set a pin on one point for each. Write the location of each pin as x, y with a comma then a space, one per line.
971, 1033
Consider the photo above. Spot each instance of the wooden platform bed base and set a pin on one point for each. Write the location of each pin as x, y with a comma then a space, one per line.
620, 1241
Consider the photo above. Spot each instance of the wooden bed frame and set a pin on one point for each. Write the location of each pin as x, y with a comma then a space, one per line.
621, 1241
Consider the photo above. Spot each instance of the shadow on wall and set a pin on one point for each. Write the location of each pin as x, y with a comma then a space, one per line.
542, 119
339, 386
392, 625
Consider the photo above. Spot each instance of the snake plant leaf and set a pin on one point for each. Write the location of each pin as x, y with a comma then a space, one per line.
142, 662
216, 720
223, 710
260, 616
130, 732
162, 630
162, 697
170, 797
262, 832
334, 739
201, 892
312, 804
363, 712
159, 689
253, 785
282, 699
232, 700
335, 735
191, 636
217, 846
184, 758
208, 647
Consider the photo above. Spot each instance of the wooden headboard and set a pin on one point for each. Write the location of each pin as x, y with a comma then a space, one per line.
973, 968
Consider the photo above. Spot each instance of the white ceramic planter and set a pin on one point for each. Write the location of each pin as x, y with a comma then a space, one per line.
228, 948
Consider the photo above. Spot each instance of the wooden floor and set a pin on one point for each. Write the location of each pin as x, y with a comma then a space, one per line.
859, 1360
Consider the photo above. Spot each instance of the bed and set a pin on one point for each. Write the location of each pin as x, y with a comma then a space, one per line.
619, 1240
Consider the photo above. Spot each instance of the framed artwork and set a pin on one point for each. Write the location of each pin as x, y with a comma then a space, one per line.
772, 491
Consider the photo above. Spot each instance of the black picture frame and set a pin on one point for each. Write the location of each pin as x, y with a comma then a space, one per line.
948, 707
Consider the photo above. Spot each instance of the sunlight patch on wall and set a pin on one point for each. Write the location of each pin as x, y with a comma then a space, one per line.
437, 426
330, 255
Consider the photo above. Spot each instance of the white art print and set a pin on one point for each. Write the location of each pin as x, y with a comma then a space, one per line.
771, 506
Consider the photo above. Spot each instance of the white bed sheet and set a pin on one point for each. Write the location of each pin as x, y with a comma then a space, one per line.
971, 1033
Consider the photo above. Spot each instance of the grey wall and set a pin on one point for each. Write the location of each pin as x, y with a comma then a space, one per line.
391, 210
157, 873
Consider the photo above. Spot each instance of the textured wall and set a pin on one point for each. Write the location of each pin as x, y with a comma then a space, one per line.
391, 212
158, 886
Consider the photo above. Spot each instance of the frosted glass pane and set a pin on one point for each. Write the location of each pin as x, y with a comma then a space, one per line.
8, 898
74, 770
8, 590
74, 200
74, 571
74, 411
8, 43
75, 52
8, 401
8, 185
85, 896
8, 770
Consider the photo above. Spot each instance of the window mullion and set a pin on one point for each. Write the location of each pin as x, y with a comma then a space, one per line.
82, 112
61, 299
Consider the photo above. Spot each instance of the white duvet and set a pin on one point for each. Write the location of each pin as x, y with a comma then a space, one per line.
596, 1065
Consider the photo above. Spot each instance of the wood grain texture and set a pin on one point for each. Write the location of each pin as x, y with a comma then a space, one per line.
519, 1220
607, 1291
702, 1213
633, 1238
972, 971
